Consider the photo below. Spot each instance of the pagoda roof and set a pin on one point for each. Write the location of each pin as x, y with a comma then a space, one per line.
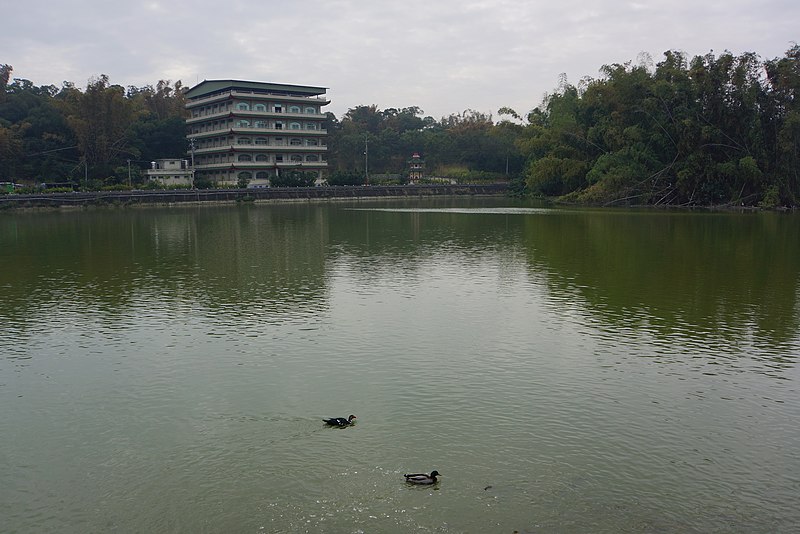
209, 87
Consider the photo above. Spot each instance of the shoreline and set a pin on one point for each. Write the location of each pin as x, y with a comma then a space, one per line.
217, 196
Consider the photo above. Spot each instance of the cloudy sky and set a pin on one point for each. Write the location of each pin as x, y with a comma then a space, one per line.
444, 56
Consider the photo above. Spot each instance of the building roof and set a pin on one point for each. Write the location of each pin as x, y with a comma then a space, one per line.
208, 87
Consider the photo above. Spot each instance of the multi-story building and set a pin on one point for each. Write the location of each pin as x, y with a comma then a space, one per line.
250, 132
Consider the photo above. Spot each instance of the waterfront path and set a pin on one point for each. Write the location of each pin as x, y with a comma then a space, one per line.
89, 198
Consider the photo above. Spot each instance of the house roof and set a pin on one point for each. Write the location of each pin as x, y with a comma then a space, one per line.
208, 87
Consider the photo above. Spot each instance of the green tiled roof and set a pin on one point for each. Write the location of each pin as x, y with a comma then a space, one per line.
208, 87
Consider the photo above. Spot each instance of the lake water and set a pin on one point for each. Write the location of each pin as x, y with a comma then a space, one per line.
167, 370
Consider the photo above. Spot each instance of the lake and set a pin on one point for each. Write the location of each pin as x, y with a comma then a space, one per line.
565, 370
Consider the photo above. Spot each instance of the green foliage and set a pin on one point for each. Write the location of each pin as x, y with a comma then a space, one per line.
243, 181
202, 182
58, 190
708, 131
116, 187
381, 141
345, 178
67, 133
294, 178
771, 198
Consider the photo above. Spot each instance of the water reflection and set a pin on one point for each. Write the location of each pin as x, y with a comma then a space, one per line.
223, 260
724, 283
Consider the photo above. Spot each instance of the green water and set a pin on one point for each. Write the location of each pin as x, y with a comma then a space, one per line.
166, 370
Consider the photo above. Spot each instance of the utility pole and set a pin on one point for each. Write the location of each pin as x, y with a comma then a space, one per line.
366, 159
191, 145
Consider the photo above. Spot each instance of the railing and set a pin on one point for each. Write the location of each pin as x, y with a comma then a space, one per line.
229, 195
253, 113
259, 148
251, 164
252, 94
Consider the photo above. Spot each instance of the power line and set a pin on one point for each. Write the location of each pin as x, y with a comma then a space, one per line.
49, 151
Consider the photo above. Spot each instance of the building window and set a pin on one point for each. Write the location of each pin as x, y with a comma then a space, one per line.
295, 141
294, 125
278, 108
296, 157
245, 157
259, 107
279, 126
243, 106
311, 110
294, 109
312, 142
243, 124
261, 140
279, 158
243, 141
244, 175
312, 157
262, 157
260, 124
311, 126
262, 175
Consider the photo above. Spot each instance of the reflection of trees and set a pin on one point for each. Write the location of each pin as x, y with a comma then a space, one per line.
732, 276
233, 257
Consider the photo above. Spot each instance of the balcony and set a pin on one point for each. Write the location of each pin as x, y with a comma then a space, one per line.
284, 148
301, 164
322, 100
209, 117
257, 165
284, 132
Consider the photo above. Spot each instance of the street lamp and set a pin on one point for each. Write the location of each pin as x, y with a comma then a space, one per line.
366, 159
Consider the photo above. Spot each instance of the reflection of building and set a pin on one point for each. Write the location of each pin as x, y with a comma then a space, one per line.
170, 172
416, 168
251, 131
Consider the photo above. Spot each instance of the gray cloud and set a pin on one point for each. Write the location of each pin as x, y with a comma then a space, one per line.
444, 56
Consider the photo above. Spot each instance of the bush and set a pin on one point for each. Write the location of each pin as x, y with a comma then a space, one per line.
116, 187
771, 198
294, 179
345, 178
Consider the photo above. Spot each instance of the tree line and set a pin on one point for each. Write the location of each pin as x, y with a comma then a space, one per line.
710, 130
707, 131
89, 137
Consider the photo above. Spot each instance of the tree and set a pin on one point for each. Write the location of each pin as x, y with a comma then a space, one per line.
101, 119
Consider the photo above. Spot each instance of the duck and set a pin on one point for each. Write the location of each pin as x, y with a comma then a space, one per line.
340, 421
422, 478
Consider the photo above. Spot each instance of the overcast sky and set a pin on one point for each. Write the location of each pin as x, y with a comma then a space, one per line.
444, 56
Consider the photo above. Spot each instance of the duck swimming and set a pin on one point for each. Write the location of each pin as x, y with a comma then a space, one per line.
340, 421
422, 478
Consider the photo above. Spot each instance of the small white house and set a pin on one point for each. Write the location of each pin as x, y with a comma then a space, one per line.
171, 172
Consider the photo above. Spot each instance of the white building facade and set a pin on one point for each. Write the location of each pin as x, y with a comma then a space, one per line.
243, 131
170, 172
